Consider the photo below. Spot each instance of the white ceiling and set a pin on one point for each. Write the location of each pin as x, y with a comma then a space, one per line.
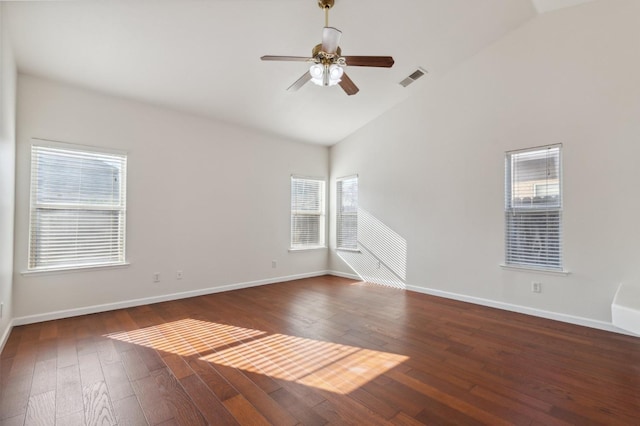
202, 56
549, 5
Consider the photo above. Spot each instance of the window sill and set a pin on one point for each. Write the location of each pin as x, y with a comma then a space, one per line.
534, 270
293, 250
348, 250
72, 269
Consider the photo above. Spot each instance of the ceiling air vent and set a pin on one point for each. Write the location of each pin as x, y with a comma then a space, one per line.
413, 77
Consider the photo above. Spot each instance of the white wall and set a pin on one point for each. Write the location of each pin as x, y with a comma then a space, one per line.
204, 197
7, 175
431, 178
432, 169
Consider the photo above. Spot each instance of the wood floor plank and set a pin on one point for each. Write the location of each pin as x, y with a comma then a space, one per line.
564, 398
301, 411
49, 330
44, 377
47, 349
73, 419
68, 391
373, 403
220, 387
152, 403
86, 346
532, 412
178, 366
90, 369
310, 395
340, 409
41, 409
436, 413
117, 381
67, 353
14, 397
211, 408
150, 358
97, 405
128, 412
513, 410
10, 347
244, 412
403, 419
256, 396
125, 322
396, 394
182, 407
25, 360
67, 328
134, 365
316, 351
106, 350
14, 421
264, 382
6, 365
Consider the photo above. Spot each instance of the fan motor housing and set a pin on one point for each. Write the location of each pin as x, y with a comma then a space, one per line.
326, 4
317, 50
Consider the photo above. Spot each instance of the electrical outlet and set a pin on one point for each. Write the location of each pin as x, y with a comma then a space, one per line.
1, 309
274, 264
156, 277
178, 275
536, 287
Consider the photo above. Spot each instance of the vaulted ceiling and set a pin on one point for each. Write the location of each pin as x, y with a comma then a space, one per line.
203, 56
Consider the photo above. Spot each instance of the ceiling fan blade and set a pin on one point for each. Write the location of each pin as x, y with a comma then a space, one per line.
330, 39
286, 58
348, 85
299, 82
369, 61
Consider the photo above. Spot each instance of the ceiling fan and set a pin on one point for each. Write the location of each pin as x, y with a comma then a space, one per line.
328, 64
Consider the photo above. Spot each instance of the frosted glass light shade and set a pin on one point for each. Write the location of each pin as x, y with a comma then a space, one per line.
335, 73
317, 72
330, 39
325, 75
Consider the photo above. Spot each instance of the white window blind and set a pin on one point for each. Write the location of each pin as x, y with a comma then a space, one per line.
78, 206
307, 212
533, 208
347, 213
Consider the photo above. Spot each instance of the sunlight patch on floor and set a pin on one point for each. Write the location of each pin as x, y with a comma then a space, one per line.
325, 365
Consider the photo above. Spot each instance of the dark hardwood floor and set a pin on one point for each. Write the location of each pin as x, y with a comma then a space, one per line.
318, 351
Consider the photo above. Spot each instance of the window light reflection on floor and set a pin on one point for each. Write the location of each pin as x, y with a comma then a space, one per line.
325, 365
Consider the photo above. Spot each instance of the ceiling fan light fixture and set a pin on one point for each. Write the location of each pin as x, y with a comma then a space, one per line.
326, 75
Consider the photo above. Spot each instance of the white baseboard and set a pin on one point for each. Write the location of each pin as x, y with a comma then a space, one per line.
344, 275
571, 319
5, 335
30, 319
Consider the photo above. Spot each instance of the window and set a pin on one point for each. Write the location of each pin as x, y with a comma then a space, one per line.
347, 213
307, 213
533, 208
77, 208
